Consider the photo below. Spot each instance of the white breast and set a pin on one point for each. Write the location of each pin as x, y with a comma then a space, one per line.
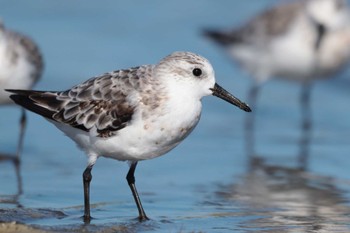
148, 138
143, 138
15, 69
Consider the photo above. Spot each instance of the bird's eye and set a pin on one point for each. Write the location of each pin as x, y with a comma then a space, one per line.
197, 72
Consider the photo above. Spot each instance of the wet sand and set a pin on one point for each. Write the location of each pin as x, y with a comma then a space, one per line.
14, 227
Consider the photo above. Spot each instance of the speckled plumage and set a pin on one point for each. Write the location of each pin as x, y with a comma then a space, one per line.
99, 104
132, 114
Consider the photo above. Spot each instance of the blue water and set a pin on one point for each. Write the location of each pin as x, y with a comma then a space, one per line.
203, 185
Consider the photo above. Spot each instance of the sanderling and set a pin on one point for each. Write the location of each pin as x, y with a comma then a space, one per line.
132, 114
300, 41
20, 67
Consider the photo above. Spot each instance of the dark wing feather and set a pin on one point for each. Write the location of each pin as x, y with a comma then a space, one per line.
26, 98
100, 102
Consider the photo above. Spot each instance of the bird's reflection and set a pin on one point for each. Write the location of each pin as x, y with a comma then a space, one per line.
13, 198
284, 199
305, 135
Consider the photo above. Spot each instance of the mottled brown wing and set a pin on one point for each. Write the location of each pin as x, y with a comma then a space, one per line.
100, 103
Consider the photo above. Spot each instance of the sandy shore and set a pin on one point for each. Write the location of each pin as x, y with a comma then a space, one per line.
14, 227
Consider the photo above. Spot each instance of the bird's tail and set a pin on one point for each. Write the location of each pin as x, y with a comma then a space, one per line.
40, 102
220, 37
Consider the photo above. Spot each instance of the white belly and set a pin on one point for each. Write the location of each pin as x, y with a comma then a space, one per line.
142, 138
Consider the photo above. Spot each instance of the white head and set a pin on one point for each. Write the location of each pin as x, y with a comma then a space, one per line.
333, 14
190, 73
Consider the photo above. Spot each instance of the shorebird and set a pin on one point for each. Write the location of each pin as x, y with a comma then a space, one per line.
300, 41
131, 114
20, 68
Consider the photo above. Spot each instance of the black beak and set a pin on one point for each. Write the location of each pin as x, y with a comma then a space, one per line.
225, 95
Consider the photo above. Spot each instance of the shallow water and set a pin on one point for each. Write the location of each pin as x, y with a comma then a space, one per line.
207, 183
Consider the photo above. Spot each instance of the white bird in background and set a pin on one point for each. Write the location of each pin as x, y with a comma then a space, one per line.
301, 41
21, 67
130, 115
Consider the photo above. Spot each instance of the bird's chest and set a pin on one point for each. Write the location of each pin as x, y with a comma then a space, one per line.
171, 127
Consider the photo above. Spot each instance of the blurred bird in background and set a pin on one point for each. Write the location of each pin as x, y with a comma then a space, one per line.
21, 67
300, 41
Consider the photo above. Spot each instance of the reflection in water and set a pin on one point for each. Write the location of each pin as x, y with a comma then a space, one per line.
288, 200
29, 217
306, 126
15, 160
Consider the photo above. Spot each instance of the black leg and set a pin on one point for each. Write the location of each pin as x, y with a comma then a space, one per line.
17, 161
87, 177
131, 181
250, 120
306, 126
17, 164
23, 124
